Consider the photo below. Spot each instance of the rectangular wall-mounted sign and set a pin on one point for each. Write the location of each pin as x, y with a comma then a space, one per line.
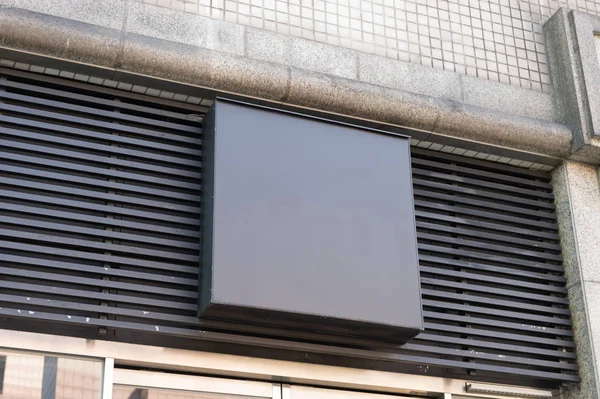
308, 225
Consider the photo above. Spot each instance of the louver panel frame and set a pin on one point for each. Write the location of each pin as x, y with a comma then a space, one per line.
100, 236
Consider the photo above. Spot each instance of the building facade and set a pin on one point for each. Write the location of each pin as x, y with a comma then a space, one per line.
108, 153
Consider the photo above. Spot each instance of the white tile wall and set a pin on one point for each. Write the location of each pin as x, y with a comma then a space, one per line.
499, 40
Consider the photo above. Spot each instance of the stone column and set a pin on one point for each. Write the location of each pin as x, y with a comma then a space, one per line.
578, 208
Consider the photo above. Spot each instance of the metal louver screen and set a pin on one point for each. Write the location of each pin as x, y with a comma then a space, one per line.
100, 202
100, 211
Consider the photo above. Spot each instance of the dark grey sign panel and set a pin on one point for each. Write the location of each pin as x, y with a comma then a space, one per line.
308, 225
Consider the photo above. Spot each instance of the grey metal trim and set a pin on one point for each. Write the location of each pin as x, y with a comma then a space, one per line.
49, 377
2, 372
121, 53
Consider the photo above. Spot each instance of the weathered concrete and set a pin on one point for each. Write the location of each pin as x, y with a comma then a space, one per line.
74, 41
410, 78
184, 28
504, 98
578, 209
106, 13
226, 57
575, 75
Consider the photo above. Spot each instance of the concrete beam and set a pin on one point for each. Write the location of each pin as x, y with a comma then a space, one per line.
575, 74
167, 44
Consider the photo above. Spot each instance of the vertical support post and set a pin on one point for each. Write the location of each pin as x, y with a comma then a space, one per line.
277, 391
2, 369
49, 377
107, 378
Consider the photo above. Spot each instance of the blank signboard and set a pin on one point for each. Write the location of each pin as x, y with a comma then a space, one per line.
308, 225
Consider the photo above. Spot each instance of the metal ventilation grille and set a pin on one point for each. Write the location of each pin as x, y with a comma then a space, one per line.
99, 203
491, 271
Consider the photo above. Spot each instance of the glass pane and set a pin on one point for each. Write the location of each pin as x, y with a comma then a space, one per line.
31, 376
127, 392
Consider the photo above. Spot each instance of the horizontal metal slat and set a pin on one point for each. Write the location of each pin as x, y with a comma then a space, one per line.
94, 123
102, 101
482, 256
424, 183
111, 259
107, 209
539, 277
482, 164
487, 216
164, 204
459, 231
68, 306
104, 184
497, 291
99, 283
485, 185
106, 271
501, 324
427, 195
66, 84
88, 146
85, 156
97, 295
501, 228
482, 245
551, 289
499, 335
99, 233
489, 311
37, 101
473, 354
484, 175
103, 246
191, 151
99, 220
473, 343
484, 300
101, 172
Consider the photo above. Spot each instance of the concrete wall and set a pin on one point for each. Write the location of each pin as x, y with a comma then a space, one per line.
578, 208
